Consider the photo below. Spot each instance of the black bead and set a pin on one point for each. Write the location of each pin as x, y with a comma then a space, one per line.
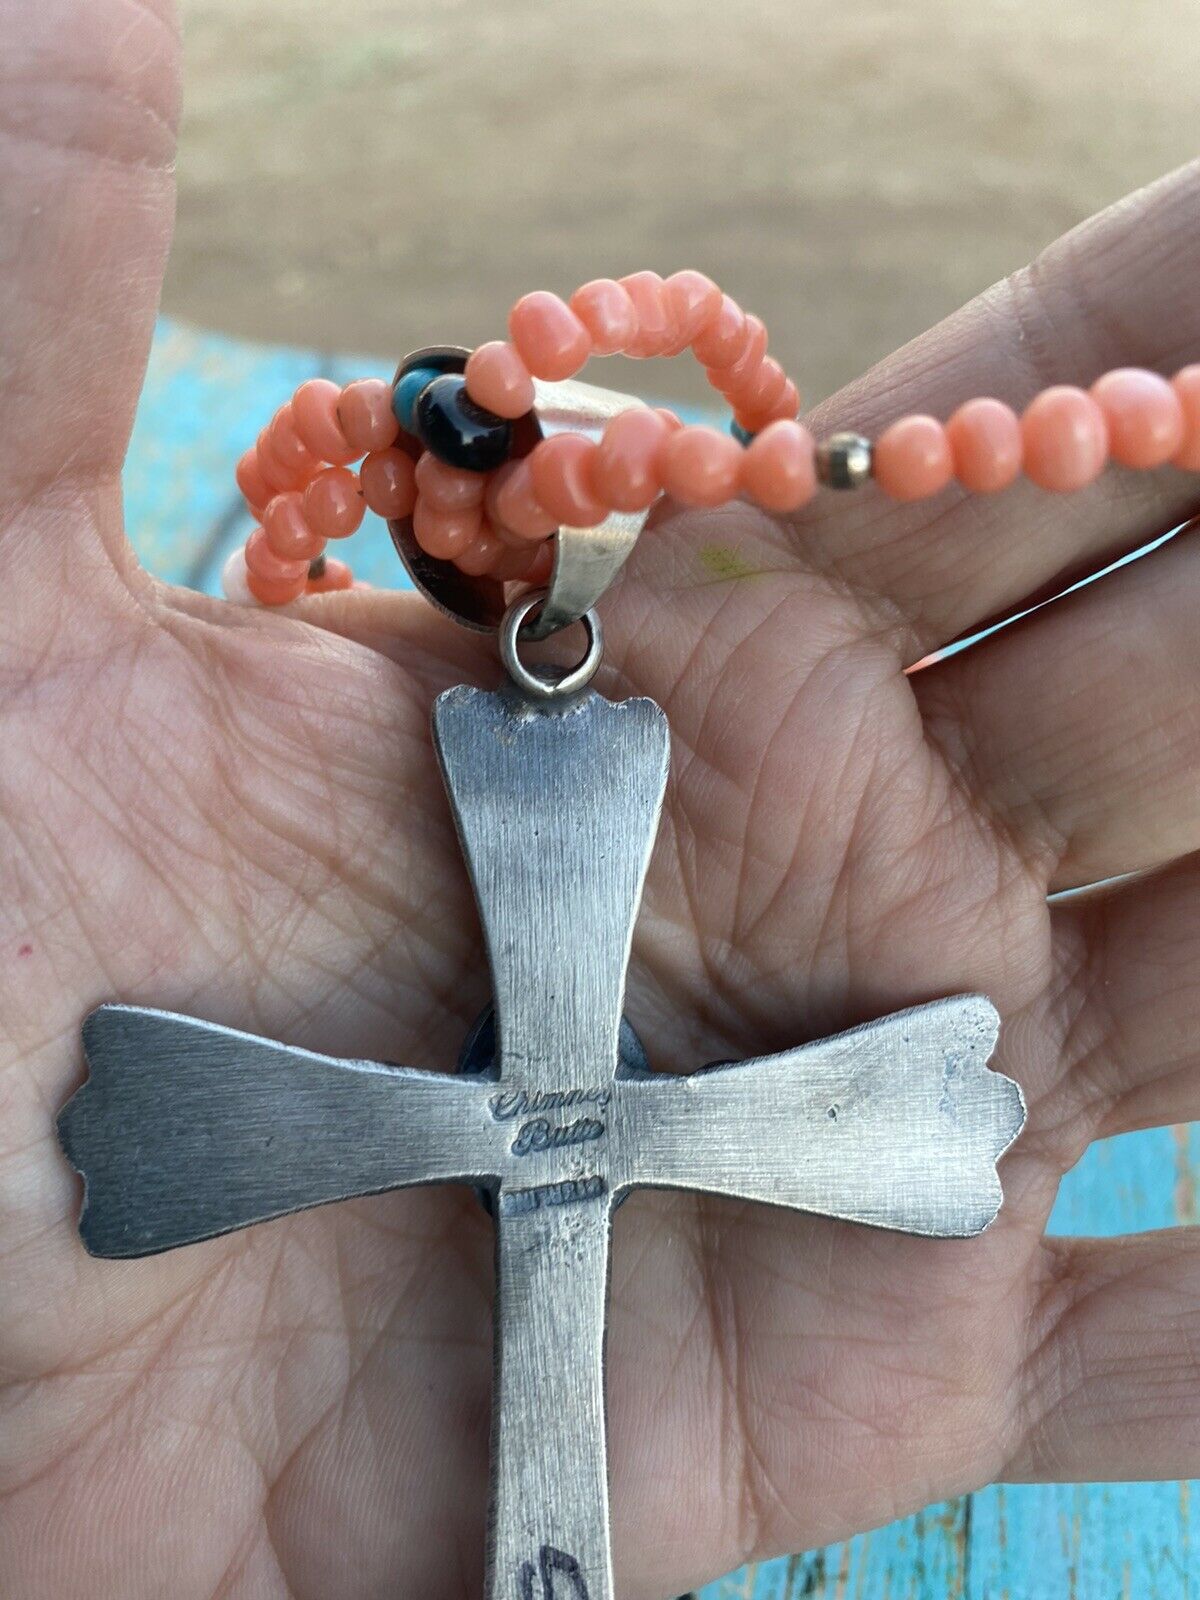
459, 432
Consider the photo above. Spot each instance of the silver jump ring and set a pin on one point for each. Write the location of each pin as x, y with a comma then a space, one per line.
528, 680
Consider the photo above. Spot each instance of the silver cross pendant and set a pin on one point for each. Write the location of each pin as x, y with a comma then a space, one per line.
185, 1130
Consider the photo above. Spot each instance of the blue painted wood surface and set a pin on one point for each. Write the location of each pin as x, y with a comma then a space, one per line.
204, 401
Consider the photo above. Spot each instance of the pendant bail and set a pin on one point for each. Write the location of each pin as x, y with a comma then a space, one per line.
586, 560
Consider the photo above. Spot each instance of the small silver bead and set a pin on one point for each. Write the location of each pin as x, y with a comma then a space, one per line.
844, 461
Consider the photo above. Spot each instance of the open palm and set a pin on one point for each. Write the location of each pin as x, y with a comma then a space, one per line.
238, 815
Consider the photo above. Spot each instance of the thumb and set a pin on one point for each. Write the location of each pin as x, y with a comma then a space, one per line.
88, 97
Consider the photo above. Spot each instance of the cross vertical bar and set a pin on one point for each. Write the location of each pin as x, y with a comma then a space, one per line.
549, 1531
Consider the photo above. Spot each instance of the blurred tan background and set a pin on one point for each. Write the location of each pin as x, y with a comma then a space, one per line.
369, 176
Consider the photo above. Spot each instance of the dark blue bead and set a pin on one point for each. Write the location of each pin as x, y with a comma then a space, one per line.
742, 435
459, 432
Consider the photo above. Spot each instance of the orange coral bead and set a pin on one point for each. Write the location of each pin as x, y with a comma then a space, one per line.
700, 466
724, 337
263, 563
985, 445
1186, 384
608, 314
513, 505
912, 458
1144, 416
693, 301
550, 339
365, 415
741, 373
539, 570
789, 401
562, 480
333, 503
314, 415
761, 394
287, 529
273, 472
1065, 439
447, 488
648, 293
625, 468
445, 534
388, 482
251, 482
481, 555
498, 380
287, 447
269, 593
337, 575
778, 467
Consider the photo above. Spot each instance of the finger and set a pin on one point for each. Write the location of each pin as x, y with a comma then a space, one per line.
1119, 290
87, 113
1110, 1388
1080, 727
1128, 958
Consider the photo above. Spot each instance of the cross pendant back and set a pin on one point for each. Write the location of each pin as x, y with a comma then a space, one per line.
185, 1130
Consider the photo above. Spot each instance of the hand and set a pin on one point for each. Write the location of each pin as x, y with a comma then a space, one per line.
238, 815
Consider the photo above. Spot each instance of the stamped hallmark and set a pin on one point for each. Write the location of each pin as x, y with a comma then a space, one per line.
529, 1102
540, 1135
518, 1202
552, 1566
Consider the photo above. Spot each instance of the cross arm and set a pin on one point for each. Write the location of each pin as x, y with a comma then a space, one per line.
898, 1123
185, 1130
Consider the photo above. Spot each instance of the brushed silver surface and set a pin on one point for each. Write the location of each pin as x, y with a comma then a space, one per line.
185, 1129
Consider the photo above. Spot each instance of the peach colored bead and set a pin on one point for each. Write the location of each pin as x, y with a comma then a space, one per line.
314, 414
445, 534
499, 380
731, 380
912, 458
608, 314
673, 422
789, 401
333, 503
388, 482
274, 474
625, 466
337, 575
480, 556
539, 572
447, 488
287, 447
1064, 438
648, 293
287, 529
760, 394
513, 505
699, 466
693, 302
271, 593
1144, 416
562, 480
365, 415
724, 338
1186, 384
514, 561
265, 564
985, 445
778, 468
550, 339
251, 481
